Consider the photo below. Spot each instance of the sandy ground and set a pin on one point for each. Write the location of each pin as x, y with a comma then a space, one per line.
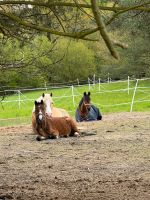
111, 160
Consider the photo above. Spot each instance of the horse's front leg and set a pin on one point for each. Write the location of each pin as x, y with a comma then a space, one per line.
53, 134
48, 133
42, 135
40, 138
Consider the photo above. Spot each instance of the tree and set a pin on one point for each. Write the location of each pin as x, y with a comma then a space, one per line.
78, 61
23, 19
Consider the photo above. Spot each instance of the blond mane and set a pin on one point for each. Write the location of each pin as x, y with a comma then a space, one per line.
47, 99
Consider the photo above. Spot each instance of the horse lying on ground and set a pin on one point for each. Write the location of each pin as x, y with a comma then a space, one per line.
49, 109
87, 111
53, 127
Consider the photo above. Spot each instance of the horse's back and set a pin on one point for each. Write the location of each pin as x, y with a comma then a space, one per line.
63, 125
93, 115
59, 112
60, 124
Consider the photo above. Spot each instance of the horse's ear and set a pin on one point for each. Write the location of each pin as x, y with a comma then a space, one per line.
51, 94
43, 95
35, 102
84, 93
42, 101
89, 93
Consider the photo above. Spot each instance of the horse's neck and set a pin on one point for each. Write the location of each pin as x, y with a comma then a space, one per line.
42, 125
83, 111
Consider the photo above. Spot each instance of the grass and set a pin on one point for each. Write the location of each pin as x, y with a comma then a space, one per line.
104, 96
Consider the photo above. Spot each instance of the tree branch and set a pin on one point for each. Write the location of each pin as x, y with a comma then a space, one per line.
76, 35
120, 44
38, 28
123, 11
60, 4
102, 28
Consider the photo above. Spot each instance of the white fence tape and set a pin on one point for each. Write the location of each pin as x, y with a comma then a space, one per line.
75, 93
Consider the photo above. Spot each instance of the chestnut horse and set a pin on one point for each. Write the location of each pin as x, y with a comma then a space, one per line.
49, 109
53, 127
87, 111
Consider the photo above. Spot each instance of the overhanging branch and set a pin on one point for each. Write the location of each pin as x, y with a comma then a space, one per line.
59, 4
102, 29
76, 35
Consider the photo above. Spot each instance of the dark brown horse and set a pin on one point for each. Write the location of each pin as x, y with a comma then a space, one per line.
87, 111
53, 127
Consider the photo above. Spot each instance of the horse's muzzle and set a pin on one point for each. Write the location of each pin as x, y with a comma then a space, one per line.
89, 108
39, 118
49, 114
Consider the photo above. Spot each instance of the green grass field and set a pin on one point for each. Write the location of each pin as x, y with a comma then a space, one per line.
104, 96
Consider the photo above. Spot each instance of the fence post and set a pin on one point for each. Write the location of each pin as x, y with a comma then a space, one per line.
94, 79
78, 81
108, 79
99, 81
89, 83
128, 84
45, 86
134, 95
72, 89
19, 102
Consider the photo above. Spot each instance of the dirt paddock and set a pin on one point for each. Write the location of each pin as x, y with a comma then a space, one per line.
111, 160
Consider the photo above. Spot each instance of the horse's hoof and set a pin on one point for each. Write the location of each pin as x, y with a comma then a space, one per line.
54, 137
76, 134
66, 136
38, 138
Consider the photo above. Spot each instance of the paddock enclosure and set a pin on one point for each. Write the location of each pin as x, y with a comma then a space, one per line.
111, 160
109, 97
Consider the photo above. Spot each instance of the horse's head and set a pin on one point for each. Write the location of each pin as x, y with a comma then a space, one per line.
85, 104
48, 102
39, 111
86, 100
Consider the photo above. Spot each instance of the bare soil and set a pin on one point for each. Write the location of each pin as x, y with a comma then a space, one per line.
110, 160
